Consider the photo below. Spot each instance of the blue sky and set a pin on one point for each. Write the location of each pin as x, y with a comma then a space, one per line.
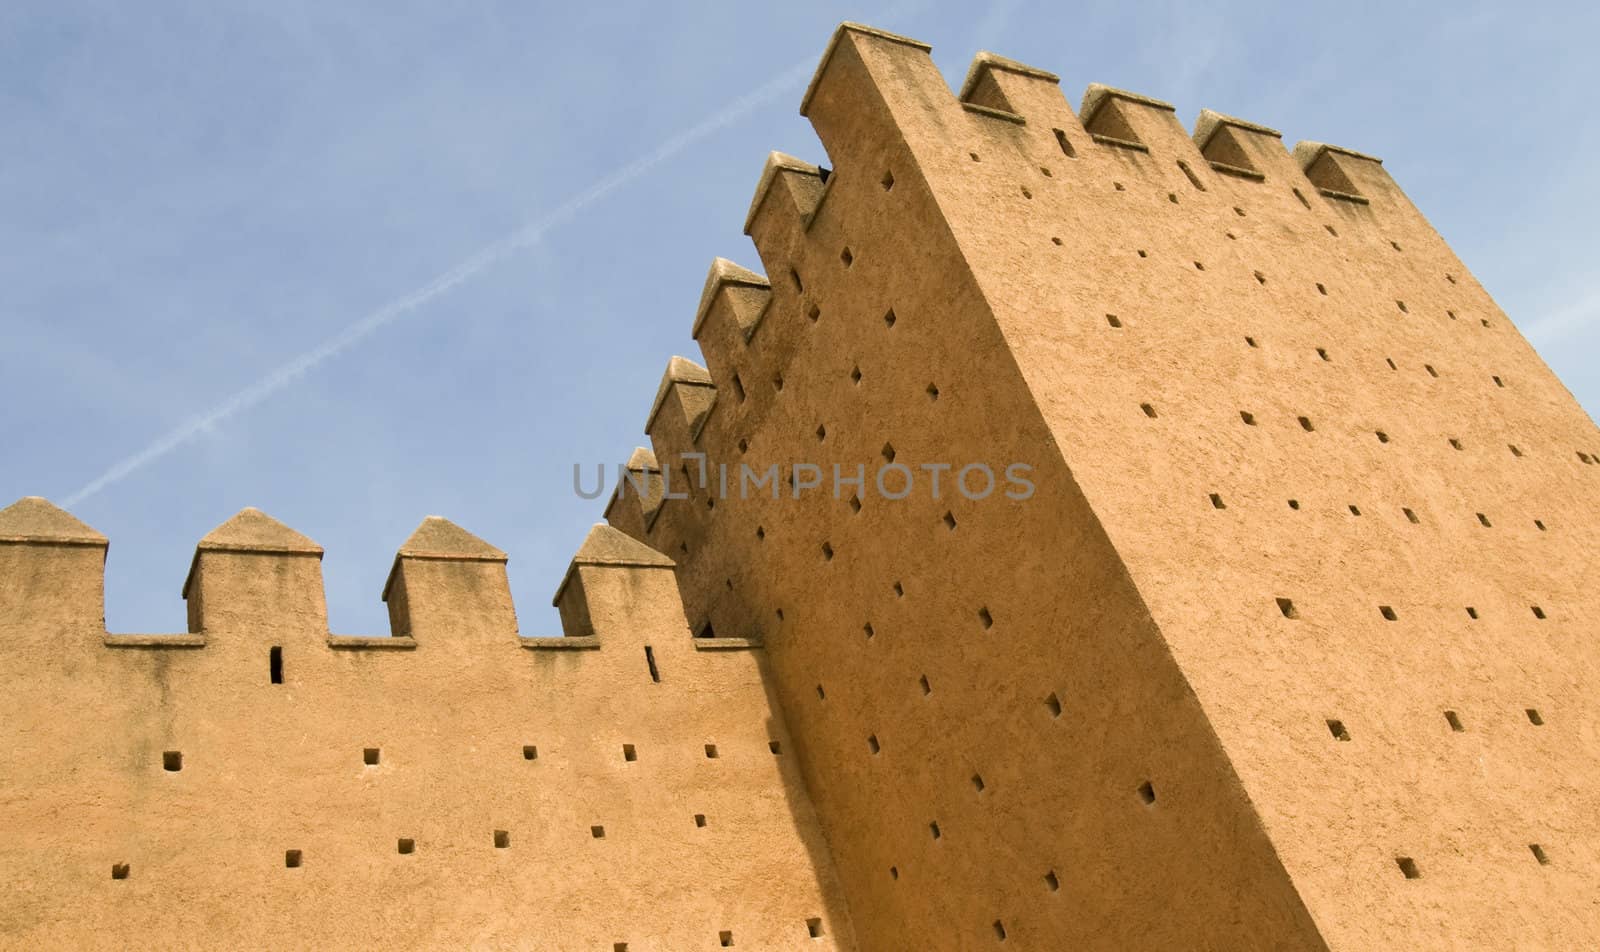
195, 195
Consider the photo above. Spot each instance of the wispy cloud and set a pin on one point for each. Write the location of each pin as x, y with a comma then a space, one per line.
1552, 327
469, 268
474, 265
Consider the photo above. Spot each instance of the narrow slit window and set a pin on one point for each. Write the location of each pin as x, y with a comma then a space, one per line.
650, 661
1065, 144
1454, 720
1193, 178
275, 664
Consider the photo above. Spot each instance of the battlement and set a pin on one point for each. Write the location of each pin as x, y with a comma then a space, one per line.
1131, 308
291, 781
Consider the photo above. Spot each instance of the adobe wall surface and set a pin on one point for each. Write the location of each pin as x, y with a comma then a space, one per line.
474, 731
1086, 719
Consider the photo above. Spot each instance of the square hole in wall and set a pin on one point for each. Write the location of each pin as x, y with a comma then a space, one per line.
1454, 720
406, 846
530, 752
725, 938
1408, 867
775, 747
700, 820
711, 751
1538, 854
119, 870
502, 839
629, 754
291, 859
814, 928
1337, 729
1387, 613
597, 832
619, 947
1286, 606
1216, 502
369, 756
172, 760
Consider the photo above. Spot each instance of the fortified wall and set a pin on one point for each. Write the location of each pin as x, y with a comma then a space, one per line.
1287, 645
257, 782
1290, 647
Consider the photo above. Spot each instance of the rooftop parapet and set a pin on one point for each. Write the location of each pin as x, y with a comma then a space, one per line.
52, 572
732, 306
1340, 173
445, 579
612, 583
634, 502
986, 84
253, 567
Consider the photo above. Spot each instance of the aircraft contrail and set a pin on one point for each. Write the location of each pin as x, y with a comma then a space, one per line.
473, 265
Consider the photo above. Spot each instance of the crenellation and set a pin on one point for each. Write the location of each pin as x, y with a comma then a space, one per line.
254, 565
1282, 648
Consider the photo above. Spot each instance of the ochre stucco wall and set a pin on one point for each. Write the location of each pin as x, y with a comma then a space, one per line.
1103, 303
476, 731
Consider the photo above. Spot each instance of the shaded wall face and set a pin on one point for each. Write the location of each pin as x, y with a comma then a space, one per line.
1354, 500
998, 743
464, 792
